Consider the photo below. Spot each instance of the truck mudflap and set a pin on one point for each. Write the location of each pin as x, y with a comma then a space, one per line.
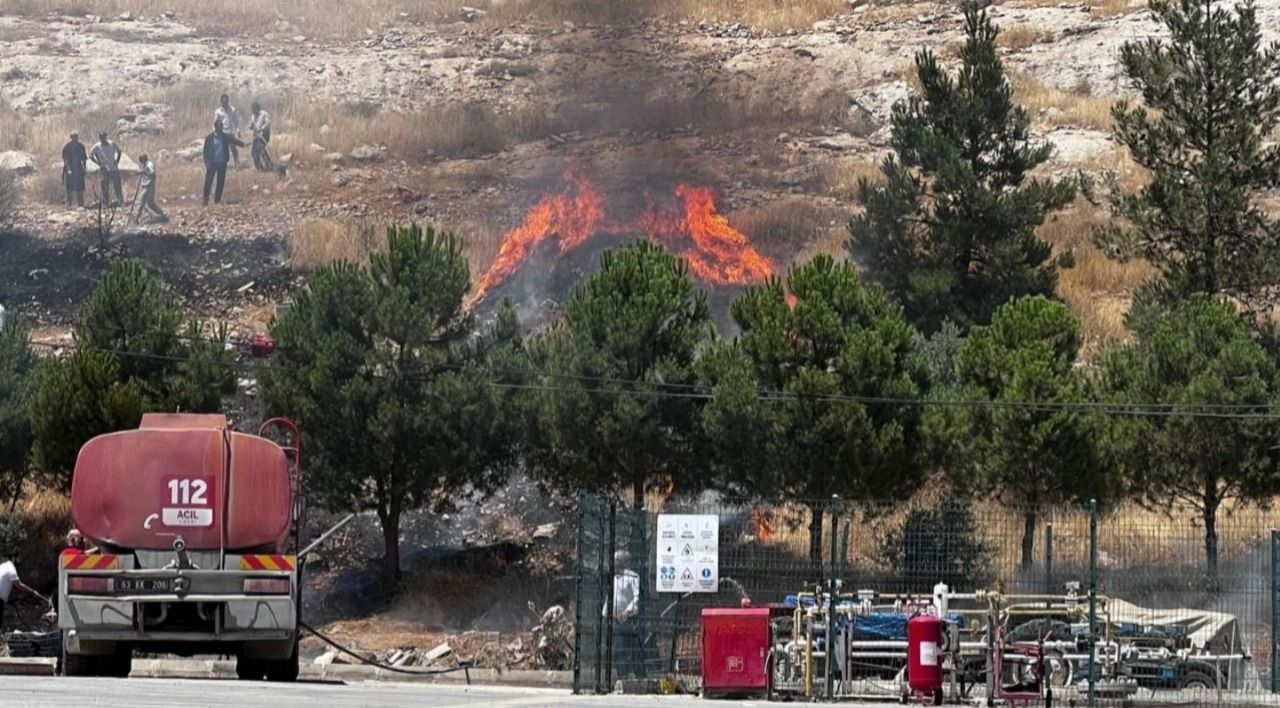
255, 597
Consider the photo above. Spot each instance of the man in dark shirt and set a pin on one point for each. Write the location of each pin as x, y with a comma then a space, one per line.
217, 153
74, 165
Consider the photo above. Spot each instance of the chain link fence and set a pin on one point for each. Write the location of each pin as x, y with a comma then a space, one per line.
1180, 617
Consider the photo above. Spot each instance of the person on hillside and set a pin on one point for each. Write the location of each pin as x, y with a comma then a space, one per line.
147, 189
260, 124
9, 581
106, 155
217, 152
230, 118
75, 163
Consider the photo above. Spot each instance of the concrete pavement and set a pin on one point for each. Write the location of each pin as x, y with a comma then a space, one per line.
46, 692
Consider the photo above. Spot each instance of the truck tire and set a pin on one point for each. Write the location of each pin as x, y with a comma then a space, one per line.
1198, 680
284, 670
117, 665
79, 664
250, 669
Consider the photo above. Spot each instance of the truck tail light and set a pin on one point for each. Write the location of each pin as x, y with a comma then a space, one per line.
88, 585
266, 586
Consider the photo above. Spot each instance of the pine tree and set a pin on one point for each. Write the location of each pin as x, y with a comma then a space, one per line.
950, 233
1210, 107
134, 353
813, 438
611, 410
1198, 352
377, 366
1028, 458
17, 364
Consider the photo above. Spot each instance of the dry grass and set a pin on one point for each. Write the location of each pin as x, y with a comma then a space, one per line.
782, 227
840, 177
317, 242
1097, 288
1131, 537
1019, 37
314, 242
47, 514
342, 18
1058, 107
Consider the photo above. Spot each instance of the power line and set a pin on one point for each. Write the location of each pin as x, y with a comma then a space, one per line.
653, 389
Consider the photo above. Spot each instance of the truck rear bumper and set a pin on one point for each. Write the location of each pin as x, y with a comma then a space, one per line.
127, 618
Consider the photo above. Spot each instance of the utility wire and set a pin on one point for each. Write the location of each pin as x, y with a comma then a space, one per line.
652, 389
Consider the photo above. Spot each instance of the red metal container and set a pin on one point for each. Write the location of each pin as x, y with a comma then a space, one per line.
735, 651
924, 656
183, 475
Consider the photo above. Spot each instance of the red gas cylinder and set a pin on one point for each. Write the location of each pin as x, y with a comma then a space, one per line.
924, 656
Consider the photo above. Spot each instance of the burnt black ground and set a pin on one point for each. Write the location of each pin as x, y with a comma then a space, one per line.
46, 281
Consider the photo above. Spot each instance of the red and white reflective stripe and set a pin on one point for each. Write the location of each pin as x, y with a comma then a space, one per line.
266, 562
89, 584
89, 561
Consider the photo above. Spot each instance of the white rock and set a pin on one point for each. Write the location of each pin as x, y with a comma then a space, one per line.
440, 651
838, 142
366, 153
17, 162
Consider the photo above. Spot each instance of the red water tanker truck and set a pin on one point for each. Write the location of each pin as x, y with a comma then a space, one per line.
197, 528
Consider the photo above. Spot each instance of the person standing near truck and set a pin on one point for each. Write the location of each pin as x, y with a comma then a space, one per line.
9, 581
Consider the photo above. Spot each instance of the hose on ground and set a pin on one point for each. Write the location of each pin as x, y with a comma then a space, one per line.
466, 668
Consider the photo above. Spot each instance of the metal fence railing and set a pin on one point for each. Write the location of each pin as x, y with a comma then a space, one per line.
1166, 628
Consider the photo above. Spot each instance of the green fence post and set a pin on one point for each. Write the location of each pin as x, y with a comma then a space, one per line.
611, 573
578, 598
1093, 601
1275, 611
601, 587
1048, 559
831, 598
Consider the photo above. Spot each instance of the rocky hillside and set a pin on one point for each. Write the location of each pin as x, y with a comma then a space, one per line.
468, 120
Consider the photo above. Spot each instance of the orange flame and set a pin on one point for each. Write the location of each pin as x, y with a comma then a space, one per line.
717, 253
574, 216
761, 523
721, 254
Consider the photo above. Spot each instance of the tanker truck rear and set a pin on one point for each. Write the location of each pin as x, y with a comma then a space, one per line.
197, 529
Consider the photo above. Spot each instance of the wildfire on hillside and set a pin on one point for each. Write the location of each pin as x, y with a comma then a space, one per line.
686, 222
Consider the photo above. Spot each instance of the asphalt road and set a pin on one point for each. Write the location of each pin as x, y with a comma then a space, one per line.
42, 692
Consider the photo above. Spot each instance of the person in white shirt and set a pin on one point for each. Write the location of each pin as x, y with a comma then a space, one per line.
147, 187
230, 118
106, 155
628, 661
260, 124
9, 581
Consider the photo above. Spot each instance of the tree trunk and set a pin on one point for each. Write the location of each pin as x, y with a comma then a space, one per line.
390, 549
637, 495
815, 534
1029, 521
1211, 543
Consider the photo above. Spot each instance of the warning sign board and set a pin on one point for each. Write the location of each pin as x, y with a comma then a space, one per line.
688, 553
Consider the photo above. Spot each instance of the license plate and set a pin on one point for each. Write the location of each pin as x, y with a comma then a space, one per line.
144, 585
